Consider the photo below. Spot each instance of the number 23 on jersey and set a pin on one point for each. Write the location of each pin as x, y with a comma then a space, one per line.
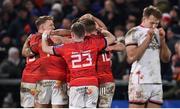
80, 60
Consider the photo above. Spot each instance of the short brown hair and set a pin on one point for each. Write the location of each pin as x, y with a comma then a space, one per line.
89, 24
151, 10
78, 29
42, 19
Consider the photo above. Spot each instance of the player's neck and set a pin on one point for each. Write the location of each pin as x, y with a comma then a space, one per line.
91, 33
87, 34
79, 39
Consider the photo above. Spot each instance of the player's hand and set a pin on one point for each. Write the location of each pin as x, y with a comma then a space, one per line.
108, 48
150, 33
48, 32
161, 34
45, 34
52, 32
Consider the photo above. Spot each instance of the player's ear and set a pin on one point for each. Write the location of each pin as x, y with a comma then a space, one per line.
41, 26
143, 18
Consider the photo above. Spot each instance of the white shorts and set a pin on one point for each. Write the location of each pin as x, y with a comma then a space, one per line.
27, 93
142, 93
83, 97
106, 93
51, 91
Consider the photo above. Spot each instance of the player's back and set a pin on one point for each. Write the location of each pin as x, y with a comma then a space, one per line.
104, 67
81, 58
104, 61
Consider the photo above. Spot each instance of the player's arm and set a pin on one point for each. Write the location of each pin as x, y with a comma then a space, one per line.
175, 70
60, 39
61, 32
118, 46
57, 36
45, 47
97, 20
135, 52
110, 38
26, 51
165, 53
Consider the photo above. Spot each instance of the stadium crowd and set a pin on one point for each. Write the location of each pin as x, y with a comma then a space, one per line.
18, 17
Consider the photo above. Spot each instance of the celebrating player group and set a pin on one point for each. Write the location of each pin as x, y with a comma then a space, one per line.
72, 68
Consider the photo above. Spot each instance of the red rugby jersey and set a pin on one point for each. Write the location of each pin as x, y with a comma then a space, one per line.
51, 67
104, 67
81, 59
31, 71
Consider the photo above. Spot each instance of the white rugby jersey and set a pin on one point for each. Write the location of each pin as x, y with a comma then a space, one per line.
147, 69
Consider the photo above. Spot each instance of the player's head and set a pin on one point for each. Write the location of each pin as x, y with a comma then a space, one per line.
151, 17
44, 23
78, 30
90, 25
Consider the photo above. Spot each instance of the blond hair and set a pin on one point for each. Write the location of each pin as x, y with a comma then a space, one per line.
42, 19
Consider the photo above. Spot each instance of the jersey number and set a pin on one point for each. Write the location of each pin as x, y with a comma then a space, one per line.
77, 59
105, 57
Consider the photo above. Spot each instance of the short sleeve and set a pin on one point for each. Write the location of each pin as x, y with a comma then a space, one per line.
34, 44
58, 50
100, 43
130, 37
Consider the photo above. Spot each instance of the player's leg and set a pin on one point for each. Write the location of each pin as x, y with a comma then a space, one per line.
67, 88
38, 105
156, 99
27, 93
153, 105
138, 95
106, 93
59, 98
76, 97
57, 106
137, 105
91, 96
43, 94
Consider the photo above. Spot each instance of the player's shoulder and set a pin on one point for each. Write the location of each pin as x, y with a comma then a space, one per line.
100, 35
60, 45
92, 36
136, 30
32, 38
132, 31
66, 46
88, 37
35, 36
91, 41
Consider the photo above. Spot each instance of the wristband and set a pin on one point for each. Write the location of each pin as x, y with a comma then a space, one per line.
44, 36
